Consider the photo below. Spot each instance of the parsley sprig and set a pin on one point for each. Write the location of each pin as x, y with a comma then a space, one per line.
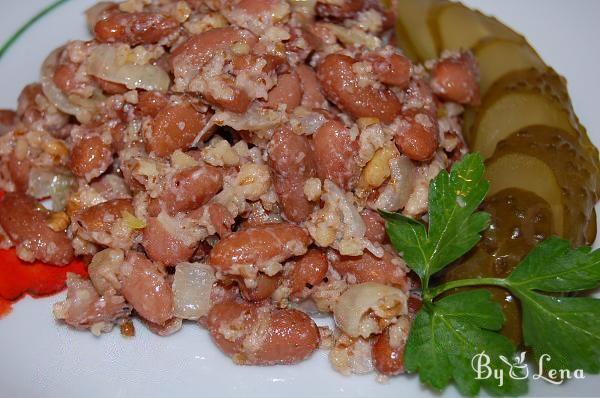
448, 332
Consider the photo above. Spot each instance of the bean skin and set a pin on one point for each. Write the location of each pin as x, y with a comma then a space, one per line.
375, 225
191, 188
310, 269
335, 152
187, 58
239, 102
387, 360
312, 96
175, 127
456, 79
19, 171
286, 336
162, 247
90, 157
393, 70
417, 135
368, 268
347, 9
146, 289
100, 218
341, 86
258, 246
292, 162
265, 286
24, 220
221, 219
135, 28
150, 103
287, 91
111, 88
64, 77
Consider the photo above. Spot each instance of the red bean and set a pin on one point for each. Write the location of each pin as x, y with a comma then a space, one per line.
312, 96
387, 360
8, 120
286, 336
265, 286
135, 28
19, 171
25, 222
308, 271
287, 92
175, 127
341, 87
456, 79
151, 102
111, 88
375, 225
90, 157
368, 268
347, 8
417, 135
335, 152
191, 188
393, 70
101, 217
163, 247
292, 161
146, 289
259, 246
221, 218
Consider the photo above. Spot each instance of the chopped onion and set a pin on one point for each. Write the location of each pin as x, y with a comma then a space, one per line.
55, 95
360, 310
103, 63
44, 183
192, 285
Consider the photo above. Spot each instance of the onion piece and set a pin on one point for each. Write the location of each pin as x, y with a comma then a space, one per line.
192, 285
366, 308
103, 63
44, 183
55, 95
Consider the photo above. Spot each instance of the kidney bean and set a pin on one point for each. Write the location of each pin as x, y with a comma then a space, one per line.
19, 171
258, 246
308, 271
375, 225
151, 102
257, 8
64, 77
335, 152
417, 135
286, 336
265, 286
135, 28
393, 70
238, 102
25, 221
287, 91
90, 157
101, 217
187, 58
146, 288
292, 161
191, 188
175, 127
347, 8
368, 268
456, 78
388, 360
111, 88
312, 96
163, 247
8, 120
341, 86
27, 108
221, 219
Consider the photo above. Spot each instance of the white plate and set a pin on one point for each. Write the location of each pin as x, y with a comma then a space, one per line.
40, 358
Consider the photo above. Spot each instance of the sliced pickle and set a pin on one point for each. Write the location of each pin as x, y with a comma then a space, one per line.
522, 99
520, 220
498, 57
576, 173
517, 170
455, 27
412, 23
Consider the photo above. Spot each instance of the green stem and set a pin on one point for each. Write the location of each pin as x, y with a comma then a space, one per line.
433, 293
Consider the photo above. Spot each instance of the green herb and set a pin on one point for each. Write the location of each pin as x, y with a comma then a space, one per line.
448, 332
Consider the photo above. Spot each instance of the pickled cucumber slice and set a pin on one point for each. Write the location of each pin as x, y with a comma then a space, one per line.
498, 57
525, 172
455, 27
522, 99
413, 23
576, 173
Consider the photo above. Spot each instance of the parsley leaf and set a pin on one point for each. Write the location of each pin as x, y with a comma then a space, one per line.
454, 226
554, 267
445, 337
551, 325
